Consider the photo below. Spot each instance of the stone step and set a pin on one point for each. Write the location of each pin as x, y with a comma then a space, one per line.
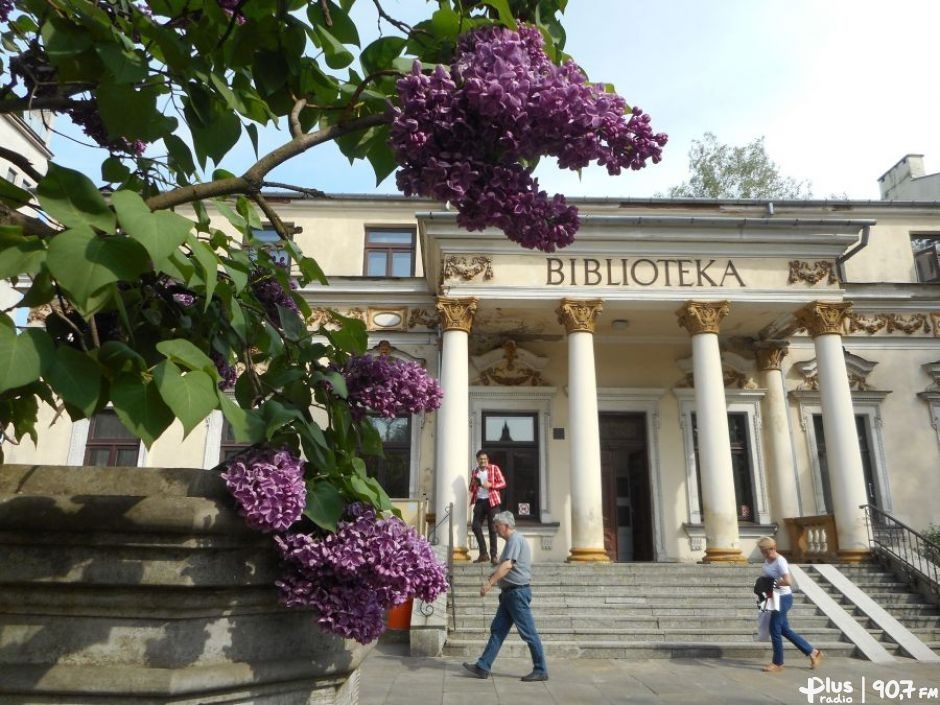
677, 635
651, 621
516, 648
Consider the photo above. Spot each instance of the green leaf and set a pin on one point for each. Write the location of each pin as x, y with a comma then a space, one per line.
215, 139
380, 53
83, 263
325, 504
119, 357
179, 153
41, 292
371, 440
72, 199
140, 408
114, 170
161, 233
12, 195
188, 355
382, 158
311, 271
24, 357
125, 66
505, 14
337, 56
19, 254
208, 261
132, 113
350, 337
362, 488
277, 415
191, 397
341, 26
76, 378
246, 425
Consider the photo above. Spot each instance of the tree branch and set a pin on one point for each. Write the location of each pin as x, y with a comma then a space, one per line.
22, 162
31, 226
313, 192
295, 129
57, 103
272, 216
252, 179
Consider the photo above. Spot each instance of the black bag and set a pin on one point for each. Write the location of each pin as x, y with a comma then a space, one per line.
764, 587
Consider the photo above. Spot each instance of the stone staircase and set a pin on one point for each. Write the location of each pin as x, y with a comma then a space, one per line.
634, 611
920, 616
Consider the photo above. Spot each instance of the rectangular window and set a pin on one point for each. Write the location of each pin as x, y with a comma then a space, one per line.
229, 446
740, 465
511, 441
926, 257
864, 445
267, 238
109, 443
394, 470
389, 252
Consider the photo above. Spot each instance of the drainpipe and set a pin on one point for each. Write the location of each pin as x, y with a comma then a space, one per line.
841, 259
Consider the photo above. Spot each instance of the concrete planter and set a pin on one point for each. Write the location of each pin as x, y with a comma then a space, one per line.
143, 585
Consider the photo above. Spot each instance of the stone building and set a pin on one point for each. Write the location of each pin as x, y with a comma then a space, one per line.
677, 383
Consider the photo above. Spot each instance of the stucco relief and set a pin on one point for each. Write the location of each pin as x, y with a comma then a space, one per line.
823, 318
858, 369
467, 268
423, 318
812, 272
737, 372
321, 317
577, 315
509, 366
909, 324
456, 314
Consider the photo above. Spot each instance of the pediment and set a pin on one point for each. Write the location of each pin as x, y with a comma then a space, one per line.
509, 365
857, 367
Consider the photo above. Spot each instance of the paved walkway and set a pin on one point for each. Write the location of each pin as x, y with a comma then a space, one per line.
390, 677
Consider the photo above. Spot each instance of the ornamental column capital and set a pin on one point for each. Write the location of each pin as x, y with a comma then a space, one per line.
579, 314
770, 354
823, 318
702, 316
456, 314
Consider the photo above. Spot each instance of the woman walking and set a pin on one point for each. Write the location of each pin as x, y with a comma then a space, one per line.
776, 567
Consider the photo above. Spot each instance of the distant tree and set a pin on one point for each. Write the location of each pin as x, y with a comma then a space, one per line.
722, 171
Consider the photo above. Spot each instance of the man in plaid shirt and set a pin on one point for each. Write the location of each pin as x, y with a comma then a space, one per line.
486, 480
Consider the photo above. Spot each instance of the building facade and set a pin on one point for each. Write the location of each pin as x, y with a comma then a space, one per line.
678, 382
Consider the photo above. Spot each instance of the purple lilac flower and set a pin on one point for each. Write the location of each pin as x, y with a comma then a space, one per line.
463, 135
184, 299
268, 290
352, 576
389, 387
269, 488
227, 372
86, 116
6, 7
231, 8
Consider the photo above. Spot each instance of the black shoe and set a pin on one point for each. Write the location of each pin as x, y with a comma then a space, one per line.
534, 676
494, 560
476, 670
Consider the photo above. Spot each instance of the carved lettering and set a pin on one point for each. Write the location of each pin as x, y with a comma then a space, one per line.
644, 271
655, 272
592, 272
555, 269
730, 269
703, 274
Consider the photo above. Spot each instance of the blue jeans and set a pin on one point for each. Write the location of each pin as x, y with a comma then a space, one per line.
780, 627
514, 609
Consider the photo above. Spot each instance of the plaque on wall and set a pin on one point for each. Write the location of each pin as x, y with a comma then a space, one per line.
525, 509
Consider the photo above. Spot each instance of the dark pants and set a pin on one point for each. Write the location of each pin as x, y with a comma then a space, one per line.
482, 508
514, 608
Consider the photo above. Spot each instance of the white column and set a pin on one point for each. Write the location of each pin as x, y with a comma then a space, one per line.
587, 511
782, 468
452, 450
719, 507
824, 321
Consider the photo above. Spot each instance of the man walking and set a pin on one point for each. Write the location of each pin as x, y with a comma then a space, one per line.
513, 573
486, 480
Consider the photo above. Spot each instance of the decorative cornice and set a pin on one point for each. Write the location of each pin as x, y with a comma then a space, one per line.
870, 324
579, 315
457, 314
812, 273
821, 318
702, 316
907, 324
770, 354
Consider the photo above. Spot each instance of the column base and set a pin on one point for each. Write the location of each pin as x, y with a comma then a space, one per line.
461, 554
588, 555
854, 556
724, 555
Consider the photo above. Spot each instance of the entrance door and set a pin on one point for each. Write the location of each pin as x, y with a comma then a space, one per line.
628, 516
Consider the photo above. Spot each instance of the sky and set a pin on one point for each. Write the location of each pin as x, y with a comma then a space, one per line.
840, 90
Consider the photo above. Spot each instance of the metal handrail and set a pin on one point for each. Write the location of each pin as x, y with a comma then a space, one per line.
908, 549
434, 540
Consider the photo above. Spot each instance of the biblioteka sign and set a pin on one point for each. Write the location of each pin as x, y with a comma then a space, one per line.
642, 272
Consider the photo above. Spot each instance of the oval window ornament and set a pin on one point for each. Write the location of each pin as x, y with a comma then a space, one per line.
386, 319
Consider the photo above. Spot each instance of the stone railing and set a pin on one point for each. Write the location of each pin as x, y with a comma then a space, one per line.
143, 585
813, 539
